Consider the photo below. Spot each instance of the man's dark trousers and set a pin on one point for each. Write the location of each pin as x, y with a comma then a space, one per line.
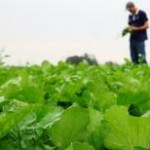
137, 51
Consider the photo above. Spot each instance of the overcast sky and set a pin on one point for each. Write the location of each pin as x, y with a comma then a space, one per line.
34, 30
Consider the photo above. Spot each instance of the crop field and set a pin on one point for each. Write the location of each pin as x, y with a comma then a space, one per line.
68, 107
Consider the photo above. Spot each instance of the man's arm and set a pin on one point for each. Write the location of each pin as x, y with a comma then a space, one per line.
144, 27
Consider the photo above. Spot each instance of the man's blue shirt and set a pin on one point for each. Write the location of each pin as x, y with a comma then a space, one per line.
138, 20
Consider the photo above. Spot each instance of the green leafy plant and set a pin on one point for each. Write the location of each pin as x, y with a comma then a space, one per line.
126, 31
126, 132
75, 107
12, 115
80, 146
70, 128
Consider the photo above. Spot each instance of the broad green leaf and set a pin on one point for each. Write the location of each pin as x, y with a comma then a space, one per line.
96, 118
8, 120
80, 146
8, 145
136, 92
95, 129
46, 66
50, 118
23, 88
3, 102
125, 132
140, 148
70, 127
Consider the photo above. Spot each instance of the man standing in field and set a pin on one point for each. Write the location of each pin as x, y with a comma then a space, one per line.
138, 25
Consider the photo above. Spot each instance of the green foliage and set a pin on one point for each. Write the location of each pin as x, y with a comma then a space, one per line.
12, 114
126, 31
80, 146
95, 129
140, 148
70, 128
82, 107
126, 132
22, 88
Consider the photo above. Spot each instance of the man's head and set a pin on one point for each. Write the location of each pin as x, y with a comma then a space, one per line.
130, 6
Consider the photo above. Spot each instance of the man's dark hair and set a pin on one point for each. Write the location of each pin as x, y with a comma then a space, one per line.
129, 4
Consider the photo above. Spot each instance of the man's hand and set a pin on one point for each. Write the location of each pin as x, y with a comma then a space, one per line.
133, 28
144, 27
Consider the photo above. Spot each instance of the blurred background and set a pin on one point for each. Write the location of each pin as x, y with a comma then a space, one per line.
34, 30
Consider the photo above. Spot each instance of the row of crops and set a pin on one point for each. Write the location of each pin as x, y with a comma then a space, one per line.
67, 107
